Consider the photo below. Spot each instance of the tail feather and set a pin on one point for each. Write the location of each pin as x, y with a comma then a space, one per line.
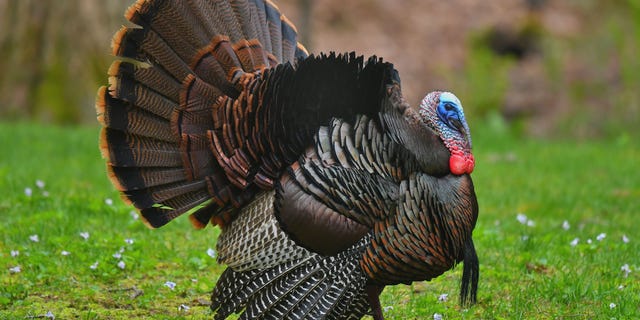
157, 215
174, 22
167, 192
140, 178
259, 12
126, 79
194, 115
243, 11
196, 157
158, 111
190, 26
204, 214
145, 45
251, 54
136, 121
128, 150
218, 64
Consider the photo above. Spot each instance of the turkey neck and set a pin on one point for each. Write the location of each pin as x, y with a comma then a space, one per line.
428, 233
406, 127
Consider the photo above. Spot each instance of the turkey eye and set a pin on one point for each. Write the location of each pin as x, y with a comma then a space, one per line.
448, 107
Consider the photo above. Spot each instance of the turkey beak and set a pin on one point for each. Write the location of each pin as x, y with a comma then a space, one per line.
458, 125
462, 128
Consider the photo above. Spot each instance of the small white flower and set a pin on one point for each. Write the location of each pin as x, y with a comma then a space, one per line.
34, 238
108, 201
601, 236
128, 241
15, 253
625, 268
524, 238
574, 242
211, 253
530, 223
121, 265
94, 266
620, 287
170, 284
194, 280
589, 241
437, 316
387, 308
522, 218
65, 253
121, 250
565, 225
28, 192
134, 215
84, 235
625, 239
40, 184
443, 297
49, 315
15, 269
183, 307
117, 255
612, 305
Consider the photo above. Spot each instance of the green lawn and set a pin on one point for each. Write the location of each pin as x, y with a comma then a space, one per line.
529, 267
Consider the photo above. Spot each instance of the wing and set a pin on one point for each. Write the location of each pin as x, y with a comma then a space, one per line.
343, 185
313, 287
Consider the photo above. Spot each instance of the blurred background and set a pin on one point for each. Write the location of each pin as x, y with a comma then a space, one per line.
554, 68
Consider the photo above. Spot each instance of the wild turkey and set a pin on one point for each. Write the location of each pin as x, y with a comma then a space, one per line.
327, 186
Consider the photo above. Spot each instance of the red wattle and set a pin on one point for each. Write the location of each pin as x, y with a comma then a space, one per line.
460, 164
471, 163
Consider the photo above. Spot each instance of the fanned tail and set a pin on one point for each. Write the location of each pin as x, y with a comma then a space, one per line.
186, 57
311, 288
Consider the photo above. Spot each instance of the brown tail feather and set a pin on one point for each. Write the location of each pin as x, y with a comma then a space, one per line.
160, 214
196, 157
159, 110
262, 29
173, 21
125, 79
141, 178
242, 10
119, 115
126, 150
162, 194
274, 25
141, 44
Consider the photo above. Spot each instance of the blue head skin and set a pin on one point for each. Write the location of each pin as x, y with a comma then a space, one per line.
450, 113
442, 112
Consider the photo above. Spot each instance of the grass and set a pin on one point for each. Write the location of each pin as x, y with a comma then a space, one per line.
527, 271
